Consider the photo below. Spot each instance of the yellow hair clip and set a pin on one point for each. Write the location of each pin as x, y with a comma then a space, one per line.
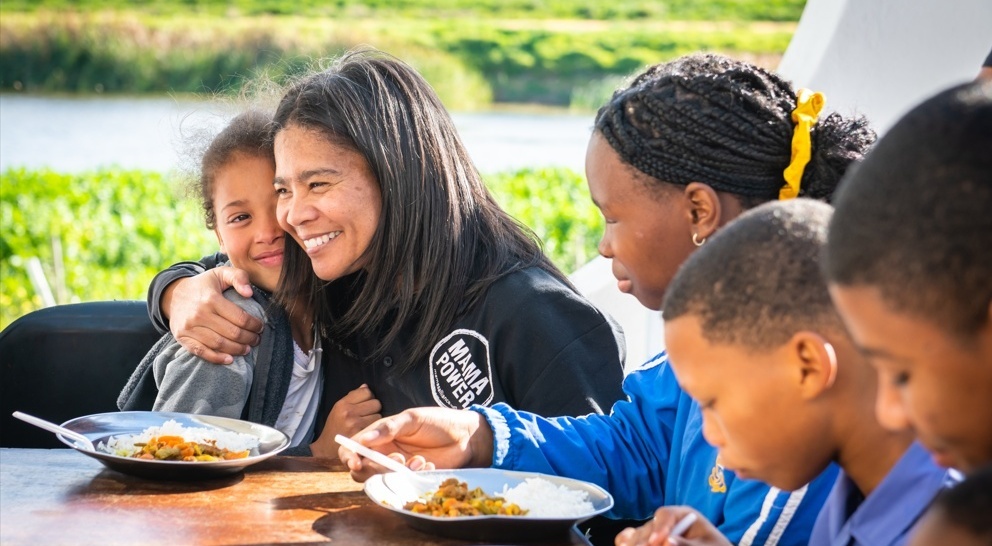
808, 106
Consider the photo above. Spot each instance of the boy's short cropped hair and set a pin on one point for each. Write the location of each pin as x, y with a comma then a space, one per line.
914, 219
757, 281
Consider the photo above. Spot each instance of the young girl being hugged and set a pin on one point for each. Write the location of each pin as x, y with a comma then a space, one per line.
278, 383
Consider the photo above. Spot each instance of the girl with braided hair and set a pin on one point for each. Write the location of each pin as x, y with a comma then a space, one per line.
685, 148
692, 143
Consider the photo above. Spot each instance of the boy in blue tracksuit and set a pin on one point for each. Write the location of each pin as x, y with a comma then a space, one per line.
650, 452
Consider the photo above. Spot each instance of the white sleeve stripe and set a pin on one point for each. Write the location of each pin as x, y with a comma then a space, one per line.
784, 518
795, 498
766, 507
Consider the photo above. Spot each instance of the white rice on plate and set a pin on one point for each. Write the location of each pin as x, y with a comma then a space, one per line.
124, 445
544, 499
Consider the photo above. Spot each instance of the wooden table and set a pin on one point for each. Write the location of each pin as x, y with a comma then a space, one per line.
59, 496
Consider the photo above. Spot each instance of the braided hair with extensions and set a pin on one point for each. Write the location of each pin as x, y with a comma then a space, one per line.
728, 124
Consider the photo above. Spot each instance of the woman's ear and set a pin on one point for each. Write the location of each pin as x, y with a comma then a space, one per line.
816, 363
703, 208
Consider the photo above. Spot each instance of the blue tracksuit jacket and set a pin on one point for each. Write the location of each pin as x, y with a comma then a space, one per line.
649, 452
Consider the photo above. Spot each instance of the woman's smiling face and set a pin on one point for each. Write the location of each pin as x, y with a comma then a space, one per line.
328, 200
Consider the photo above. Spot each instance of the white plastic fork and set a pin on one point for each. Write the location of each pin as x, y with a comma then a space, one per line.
385, 461
58, 429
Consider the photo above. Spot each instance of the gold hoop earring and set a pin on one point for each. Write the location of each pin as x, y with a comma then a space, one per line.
696, 241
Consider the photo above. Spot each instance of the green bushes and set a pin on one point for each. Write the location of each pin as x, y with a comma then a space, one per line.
743, 10
98, 235
103, 235
109, 52
556, 205
548, 66
471, 63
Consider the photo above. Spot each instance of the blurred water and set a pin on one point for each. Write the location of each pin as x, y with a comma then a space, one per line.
78, 133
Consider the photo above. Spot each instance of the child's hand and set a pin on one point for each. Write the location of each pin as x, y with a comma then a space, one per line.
353, 412
657, 531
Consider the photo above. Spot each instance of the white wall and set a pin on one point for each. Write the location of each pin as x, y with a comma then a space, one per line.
874, 57
881, 57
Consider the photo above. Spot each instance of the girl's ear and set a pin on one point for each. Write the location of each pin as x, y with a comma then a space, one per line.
816, 362
703, 209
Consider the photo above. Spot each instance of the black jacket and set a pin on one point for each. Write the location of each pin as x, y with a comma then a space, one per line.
531, 341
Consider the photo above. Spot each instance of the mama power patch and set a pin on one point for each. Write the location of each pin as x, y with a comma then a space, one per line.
461, 374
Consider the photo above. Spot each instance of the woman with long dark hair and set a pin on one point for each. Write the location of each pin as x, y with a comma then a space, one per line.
428, 292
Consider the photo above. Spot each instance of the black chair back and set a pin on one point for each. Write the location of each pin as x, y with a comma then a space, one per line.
67, 361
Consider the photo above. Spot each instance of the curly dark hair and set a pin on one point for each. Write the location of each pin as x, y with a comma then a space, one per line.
248, 133
726, 123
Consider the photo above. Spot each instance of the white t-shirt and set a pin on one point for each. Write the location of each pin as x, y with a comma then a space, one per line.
303, 397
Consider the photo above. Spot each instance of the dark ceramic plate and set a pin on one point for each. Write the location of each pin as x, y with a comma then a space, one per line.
393, 490
99, 428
